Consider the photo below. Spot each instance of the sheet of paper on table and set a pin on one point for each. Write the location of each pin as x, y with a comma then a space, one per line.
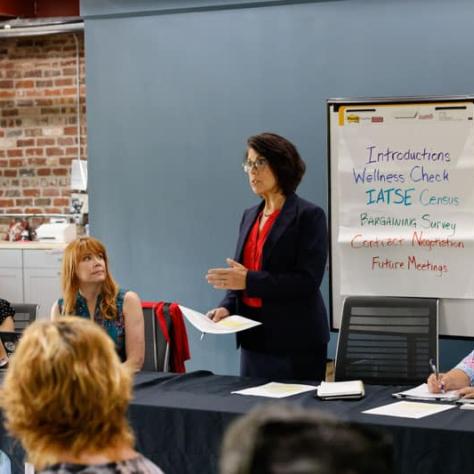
276, 390
406, 409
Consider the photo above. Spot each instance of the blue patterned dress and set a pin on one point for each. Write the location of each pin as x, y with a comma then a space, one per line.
115, 328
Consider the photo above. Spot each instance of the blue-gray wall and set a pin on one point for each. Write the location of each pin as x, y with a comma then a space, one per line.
174, 88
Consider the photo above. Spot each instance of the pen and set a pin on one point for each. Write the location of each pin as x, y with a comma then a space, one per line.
435, 371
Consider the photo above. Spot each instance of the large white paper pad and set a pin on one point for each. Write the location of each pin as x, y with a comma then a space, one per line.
409, 409
404, 200
421, 392
229, 325
276, 390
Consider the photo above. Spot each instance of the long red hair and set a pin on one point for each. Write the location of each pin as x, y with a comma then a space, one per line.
73, 255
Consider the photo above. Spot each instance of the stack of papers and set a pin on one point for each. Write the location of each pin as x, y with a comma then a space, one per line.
352, 389
228, 325
422, 393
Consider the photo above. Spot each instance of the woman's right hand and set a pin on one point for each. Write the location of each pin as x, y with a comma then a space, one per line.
436, 384
217, 314
454, 379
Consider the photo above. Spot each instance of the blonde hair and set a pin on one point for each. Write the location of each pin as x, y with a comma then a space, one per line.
73, 255
66, 391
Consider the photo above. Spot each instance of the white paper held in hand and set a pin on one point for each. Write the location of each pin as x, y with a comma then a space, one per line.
229, 325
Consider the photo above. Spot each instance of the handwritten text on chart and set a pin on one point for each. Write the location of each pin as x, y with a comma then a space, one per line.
388, 155
417, 239
417, 174
426, 221
405, 197
410, 263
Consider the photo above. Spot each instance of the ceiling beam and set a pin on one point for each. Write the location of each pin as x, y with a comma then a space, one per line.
17, 8
38, 8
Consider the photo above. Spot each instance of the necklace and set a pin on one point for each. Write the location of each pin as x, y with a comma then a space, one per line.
278, 204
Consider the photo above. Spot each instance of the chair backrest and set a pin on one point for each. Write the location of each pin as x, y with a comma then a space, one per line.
157, 349
387, 340
25, 314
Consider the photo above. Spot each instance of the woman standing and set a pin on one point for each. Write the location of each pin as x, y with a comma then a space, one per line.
90, 291
277, 269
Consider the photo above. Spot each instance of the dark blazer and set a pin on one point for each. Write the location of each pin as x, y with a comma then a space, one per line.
294, 257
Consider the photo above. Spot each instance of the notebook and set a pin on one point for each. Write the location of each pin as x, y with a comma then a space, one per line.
421, 392
9, 341
351, 389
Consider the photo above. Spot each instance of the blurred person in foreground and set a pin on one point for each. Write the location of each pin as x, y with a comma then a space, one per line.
277, 270
65, 397
89, 291
282, 439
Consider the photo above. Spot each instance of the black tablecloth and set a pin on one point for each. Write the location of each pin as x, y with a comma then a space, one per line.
180, 420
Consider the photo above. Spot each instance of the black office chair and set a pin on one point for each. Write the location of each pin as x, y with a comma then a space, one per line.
387, 340
25, 314
157, 350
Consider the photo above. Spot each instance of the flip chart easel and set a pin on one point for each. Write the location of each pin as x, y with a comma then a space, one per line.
401, 174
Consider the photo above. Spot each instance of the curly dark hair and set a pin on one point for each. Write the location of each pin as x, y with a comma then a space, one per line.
283, 159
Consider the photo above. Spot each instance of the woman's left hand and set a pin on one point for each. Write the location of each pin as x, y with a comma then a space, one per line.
466, 392
232, 278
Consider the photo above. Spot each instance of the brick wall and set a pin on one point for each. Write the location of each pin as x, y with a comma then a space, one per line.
38, 123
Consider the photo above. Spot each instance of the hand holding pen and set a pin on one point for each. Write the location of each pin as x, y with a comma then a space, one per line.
435, 381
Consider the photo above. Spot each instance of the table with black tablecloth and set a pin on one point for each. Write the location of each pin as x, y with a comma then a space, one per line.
179, 422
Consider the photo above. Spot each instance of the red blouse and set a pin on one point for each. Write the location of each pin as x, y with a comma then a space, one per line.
253, 250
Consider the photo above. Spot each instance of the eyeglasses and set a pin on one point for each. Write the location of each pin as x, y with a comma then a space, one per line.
258, 164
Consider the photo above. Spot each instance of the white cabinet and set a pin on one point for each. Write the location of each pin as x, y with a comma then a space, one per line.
42, 286
11, 278
31, 276
42, 278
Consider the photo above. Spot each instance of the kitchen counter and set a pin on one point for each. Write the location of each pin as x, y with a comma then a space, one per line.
28, 245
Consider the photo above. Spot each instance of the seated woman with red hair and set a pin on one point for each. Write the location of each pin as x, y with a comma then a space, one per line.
89, 291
